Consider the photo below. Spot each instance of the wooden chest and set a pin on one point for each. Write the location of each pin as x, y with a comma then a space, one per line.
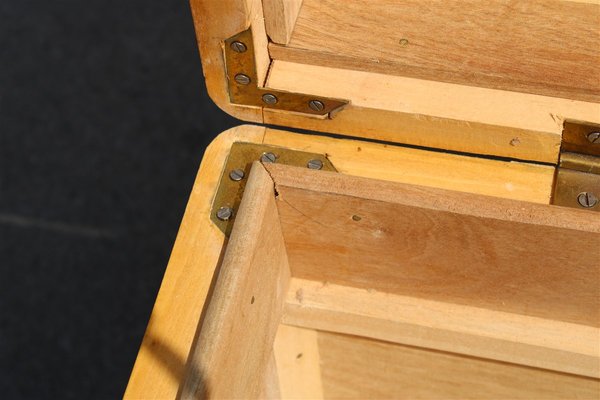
438, 239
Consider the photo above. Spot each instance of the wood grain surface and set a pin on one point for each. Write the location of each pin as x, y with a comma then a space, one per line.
298, 363
461, 329
547, 47
280, 18
160, 365
433, 114
232, 353
511, 180
446, 246
358, 368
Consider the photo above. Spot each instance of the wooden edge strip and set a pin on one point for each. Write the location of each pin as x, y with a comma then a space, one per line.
511, 180
495, 335
433, 198
232, 353
280, 18
160, 363
433, 114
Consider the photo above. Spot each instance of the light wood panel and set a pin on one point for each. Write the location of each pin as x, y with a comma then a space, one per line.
356, 368
280, 18
511, 180
461, 329
546, 47
446, 246
271, 390
179, 305
433, 114
231, 357
387, 116
160, 364
298, 363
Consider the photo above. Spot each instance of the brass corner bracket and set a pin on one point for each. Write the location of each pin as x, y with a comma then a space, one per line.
244, 87
237, 168
577, 182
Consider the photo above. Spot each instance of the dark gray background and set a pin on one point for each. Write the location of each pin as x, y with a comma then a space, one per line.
103, 123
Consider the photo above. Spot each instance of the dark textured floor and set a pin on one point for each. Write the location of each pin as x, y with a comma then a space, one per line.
103, 122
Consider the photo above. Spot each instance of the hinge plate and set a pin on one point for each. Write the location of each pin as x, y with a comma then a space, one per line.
240, 159
244, 88
577, 182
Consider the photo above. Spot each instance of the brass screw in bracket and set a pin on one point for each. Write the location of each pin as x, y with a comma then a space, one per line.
242, 79
594, 137
316, 105
268, 158
225, 213
238, 47
315, 164
269, 98
587, 199
237, 175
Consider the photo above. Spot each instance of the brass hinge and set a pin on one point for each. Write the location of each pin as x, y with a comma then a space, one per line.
235, 174
577, 182
244, 87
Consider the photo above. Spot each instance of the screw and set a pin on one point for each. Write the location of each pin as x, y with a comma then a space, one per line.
225, 213
587, 200
594, 137
316, 105
242, 79
315, 164
238, 47
268, 158
236, 175
269, 98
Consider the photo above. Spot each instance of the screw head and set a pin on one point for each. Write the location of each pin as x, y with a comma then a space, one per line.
594, 137
587, 199
269, 98
242, 79
238, 47
236, 175
225, 213
315, 164
316, 105
268, 158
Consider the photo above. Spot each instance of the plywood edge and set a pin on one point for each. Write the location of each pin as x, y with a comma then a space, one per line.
160, 364
433, 198
231, 356
494, 335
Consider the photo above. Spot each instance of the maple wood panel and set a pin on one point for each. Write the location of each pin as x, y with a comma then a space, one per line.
545, 47
446, 246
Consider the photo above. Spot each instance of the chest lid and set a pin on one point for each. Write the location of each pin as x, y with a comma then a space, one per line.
495, 78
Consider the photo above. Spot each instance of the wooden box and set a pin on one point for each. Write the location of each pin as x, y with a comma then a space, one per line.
448, 248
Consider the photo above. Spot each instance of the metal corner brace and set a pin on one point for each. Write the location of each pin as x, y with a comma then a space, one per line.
237, 168
244, 86
577, 182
